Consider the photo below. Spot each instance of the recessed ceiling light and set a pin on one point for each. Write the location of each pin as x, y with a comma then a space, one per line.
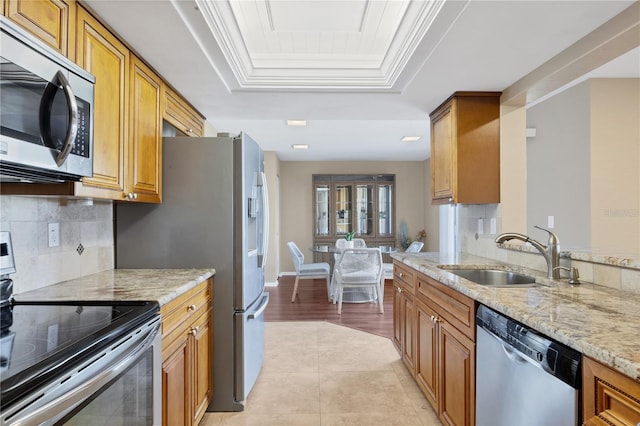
300, 146
410, 138
296, 122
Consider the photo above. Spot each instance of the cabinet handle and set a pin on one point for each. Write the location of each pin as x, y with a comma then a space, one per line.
194, 331
400, 274
399, 290
436, 319
131, 195
191, 308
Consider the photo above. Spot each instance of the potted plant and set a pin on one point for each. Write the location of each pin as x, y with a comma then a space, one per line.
349, 237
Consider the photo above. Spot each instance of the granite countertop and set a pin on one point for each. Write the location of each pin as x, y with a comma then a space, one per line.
598, 321
161, 285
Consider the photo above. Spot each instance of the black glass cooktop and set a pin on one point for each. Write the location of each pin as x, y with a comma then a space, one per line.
39, 341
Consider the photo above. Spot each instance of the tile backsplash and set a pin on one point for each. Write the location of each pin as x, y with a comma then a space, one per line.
86, 238
471, 241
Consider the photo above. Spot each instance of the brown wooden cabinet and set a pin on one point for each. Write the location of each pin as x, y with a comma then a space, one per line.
180, 114
104, 56
52, 21
445, 358
127, 148
404, 313
465, 149
187, 363
434, 330
144, 182
609, 398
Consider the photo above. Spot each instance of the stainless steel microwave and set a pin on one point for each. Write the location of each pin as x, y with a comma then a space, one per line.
46, 112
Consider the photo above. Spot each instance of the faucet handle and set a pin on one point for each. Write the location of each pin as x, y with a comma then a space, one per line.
553, 238
574, 275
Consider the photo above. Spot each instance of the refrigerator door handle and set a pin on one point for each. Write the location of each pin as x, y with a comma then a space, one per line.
258, 313
265, 220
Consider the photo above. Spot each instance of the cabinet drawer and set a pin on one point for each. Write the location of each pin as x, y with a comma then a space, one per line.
404, 276
178, 314
452, 306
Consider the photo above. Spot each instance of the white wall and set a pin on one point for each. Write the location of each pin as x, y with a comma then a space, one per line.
296, 200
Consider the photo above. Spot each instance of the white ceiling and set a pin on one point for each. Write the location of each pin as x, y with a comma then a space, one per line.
363, 73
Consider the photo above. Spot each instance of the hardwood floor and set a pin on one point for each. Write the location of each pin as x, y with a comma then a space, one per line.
312, 305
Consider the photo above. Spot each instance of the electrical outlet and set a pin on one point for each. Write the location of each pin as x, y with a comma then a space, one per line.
480, 226
54, 234
550, 222
493, 226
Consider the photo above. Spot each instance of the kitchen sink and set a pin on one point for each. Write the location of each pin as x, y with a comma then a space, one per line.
494, 277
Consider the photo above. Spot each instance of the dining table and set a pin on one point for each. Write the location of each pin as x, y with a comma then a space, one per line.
328, 253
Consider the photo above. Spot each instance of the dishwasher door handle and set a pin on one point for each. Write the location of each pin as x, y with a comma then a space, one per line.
513, 355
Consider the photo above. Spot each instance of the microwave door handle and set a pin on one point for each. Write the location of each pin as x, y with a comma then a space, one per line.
45, 116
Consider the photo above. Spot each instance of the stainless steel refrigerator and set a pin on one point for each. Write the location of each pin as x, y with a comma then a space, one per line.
214, 214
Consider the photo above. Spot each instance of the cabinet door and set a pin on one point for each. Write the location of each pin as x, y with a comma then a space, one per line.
181, 115
100, 53
52, 21
175, 377
408, 337
608, 396
145, 150
443, 155
427, 353
397, 318
343, 209
385, 210
364, 210
202, 372
321, 203
457, 376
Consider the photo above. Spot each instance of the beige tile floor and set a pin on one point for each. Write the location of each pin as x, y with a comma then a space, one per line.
318, 373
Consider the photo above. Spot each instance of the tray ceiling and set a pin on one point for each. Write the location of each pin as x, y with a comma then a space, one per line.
317, 43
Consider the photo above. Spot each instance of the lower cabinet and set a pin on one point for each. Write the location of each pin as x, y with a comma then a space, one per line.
187, 367
609, 398
404, 314
437, 336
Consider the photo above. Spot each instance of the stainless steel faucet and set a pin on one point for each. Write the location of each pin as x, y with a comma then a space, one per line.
549, 252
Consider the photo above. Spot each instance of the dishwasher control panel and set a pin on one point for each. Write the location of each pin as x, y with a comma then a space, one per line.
555, 358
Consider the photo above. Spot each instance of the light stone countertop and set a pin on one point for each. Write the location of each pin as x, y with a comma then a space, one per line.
598, 321
161, 285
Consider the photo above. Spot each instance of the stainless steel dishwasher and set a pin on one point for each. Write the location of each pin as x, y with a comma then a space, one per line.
522, 377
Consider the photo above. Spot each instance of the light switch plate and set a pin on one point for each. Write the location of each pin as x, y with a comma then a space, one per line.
492, 226
550, 222
54, 234
480, 226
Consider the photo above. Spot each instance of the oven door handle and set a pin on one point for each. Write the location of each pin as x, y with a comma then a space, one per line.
54, 410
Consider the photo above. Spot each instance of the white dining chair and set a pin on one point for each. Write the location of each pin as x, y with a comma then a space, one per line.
359, 268
307, 271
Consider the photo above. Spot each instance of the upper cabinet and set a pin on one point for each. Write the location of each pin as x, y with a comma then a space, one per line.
52, 21
145, 135
181, 115
465, 149
104, 56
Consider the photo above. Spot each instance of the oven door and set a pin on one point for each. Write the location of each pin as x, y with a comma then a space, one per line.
120, 385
